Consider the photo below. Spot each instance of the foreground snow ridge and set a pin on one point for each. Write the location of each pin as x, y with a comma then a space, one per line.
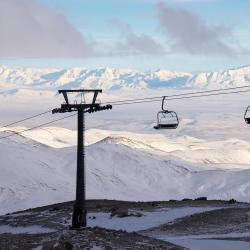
147, 220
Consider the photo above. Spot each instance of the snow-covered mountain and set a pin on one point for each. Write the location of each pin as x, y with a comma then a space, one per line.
105, 78
110, 79
39, 167
227, 78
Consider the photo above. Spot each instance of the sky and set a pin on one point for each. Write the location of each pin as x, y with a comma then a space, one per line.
183, 35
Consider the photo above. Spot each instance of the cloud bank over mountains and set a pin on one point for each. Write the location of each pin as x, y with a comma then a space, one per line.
188, 32
32, 29
132, 43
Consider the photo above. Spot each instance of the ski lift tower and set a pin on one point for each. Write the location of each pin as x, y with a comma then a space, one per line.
80, 212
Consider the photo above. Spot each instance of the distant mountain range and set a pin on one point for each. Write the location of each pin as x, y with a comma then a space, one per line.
110, 79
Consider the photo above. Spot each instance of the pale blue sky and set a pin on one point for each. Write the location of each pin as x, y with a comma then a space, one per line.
187, 35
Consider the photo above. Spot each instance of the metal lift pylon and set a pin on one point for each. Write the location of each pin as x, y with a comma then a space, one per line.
80, 211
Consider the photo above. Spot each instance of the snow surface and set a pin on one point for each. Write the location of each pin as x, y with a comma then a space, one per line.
25, 230
146, 221
163, 216
204, 244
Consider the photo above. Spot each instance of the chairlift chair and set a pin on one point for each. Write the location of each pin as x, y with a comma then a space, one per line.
247, 115
166, 119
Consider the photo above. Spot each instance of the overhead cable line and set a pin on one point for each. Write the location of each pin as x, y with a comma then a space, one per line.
136, 101
41, 125
38, 126
25, 119
148, 99
176, 95
181, 97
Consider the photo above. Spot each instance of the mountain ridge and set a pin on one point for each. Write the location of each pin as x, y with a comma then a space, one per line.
111, 79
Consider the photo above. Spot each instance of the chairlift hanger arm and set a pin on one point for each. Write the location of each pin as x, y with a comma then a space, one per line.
162, 104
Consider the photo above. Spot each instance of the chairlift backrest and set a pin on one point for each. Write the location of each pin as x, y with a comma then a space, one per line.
247, 115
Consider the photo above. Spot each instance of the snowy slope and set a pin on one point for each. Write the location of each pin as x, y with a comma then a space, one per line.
131, 167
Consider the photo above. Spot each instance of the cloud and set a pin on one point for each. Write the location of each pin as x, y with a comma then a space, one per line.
188, 32
132, 43
29, 29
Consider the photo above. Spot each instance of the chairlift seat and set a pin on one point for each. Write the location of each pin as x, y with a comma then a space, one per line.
168, 126
247, 120
167, 120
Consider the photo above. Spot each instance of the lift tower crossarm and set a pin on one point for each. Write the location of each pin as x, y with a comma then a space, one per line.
80, 212
79, 90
